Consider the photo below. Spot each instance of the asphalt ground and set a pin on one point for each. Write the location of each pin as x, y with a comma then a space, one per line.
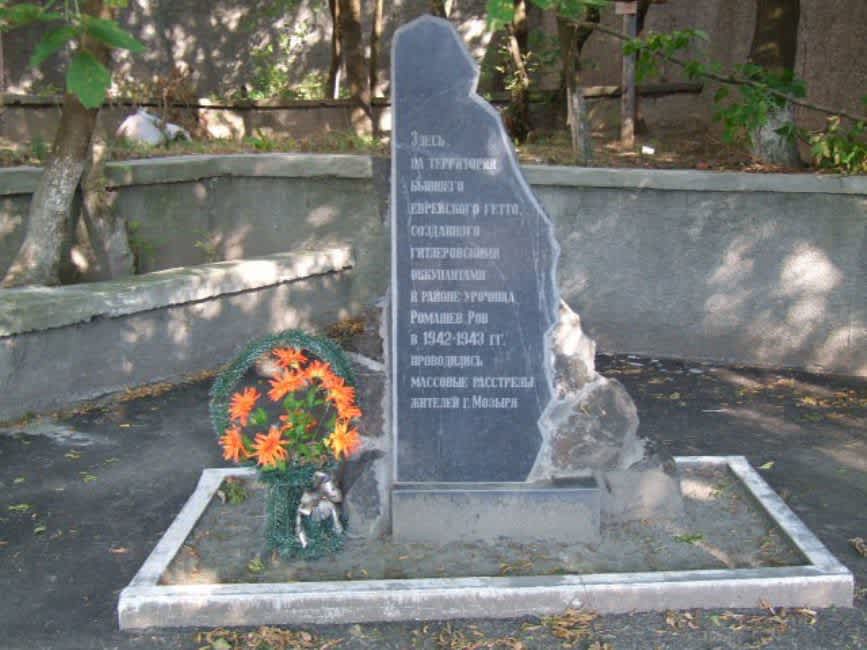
85, 497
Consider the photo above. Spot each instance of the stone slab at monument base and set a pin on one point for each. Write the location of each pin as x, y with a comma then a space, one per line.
820, 581
455, 512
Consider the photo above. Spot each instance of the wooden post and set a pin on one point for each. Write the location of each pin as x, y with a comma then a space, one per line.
627, 98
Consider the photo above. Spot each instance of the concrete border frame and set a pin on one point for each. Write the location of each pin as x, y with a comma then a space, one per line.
822, 581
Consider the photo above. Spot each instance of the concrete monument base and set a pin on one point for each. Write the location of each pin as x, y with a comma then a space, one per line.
439, 513
820, 581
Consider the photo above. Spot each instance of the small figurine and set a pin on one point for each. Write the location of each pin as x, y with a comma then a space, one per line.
319, 503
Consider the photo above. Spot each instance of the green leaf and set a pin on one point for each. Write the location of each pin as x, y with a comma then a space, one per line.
721, 94
88, 79
259, 417
693, 69
111, 34
51, 43
255, 565
500, 13
27, 13
767, 465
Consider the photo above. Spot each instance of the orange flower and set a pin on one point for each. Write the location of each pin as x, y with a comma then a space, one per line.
318, 370
241, 405
342, 396
332, 380
343, 440
270, 448
289, 357
233, 444
347, 411
287, 382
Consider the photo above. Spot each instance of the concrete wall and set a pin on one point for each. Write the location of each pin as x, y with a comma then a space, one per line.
746, 268
192, 210
755, 269
62, 345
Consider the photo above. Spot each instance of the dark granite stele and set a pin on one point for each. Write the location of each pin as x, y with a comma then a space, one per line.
473, 263
474, 300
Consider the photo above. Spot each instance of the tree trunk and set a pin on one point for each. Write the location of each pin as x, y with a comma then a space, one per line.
628, 107
438, 8
579, 126
2, 66
640, 18
356, 68
104, 233
49, 226
775, 39
441, 8
332, 87
518, 113
375, 39
572, 39
774, 45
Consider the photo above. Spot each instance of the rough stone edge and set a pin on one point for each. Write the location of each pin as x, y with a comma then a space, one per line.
21, 312
825, 582
693, 180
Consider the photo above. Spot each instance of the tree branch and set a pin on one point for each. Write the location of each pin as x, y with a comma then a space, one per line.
730, 79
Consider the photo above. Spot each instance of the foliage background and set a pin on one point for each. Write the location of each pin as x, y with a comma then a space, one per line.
223, 45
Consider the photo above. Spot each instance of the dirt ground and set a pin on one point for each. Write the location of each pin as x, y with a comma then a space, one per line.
720, 529
672, 148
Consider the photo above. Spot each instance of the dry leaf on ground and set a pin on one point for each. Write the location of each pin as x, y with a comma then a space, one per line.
859, 545
681, 620
572, 626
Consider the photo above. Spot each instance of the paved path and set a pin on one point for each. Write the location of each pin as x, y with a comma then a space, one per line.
85, 498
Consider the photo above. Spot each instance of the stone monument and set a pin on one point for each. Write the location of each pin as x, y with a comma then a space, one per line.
502, 425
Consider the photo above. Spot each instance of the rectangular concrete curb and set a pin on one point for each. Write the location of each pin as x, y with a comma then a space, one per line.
191, 168
821, 582
184, 169
692, 180
33, 309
